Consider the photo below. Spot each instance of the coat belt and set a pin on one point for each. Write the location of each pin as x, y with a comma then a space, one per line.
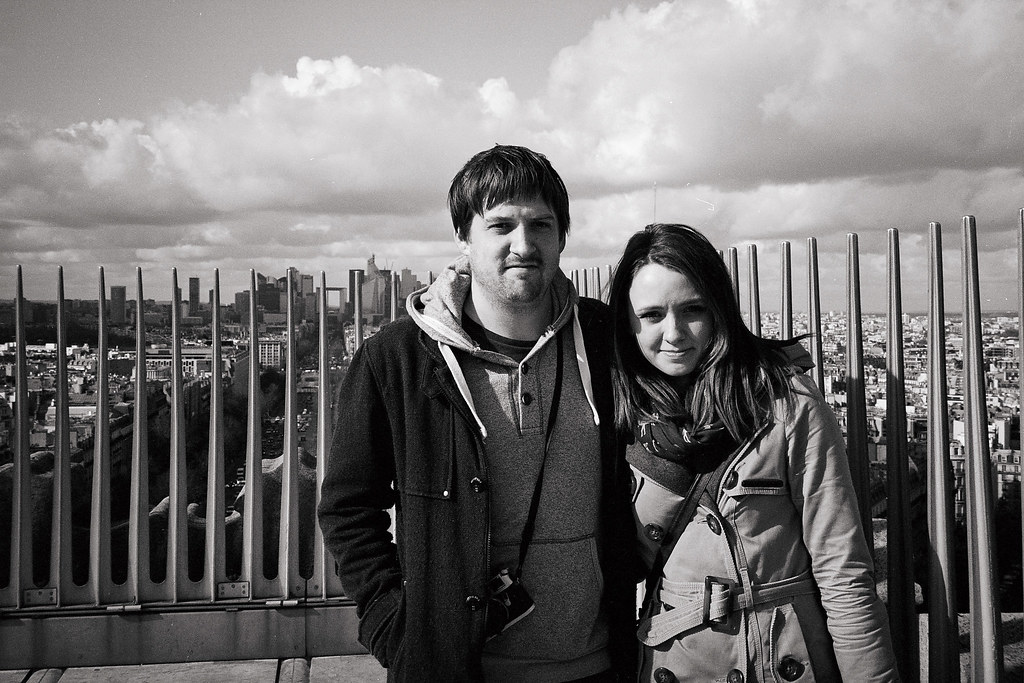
696, 603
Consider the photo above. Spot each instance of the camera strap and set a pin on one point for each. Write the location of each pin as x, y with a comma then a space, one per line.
531, 519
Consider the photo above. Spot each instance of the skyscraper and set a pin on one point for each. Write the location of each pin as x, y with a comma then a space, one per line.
375, 288
193, 296
268, 296
409, 284
117, 305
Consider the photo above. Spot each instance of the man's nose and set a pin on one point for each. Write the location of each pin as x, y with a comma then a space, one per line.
522, 241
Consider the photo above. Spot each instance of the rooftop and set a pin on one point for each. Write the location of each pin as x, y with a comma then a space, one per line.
343, 669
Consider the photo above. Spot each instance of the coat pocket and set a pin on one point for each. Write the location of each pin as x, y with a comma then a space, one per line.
382, 628
429, 457
757, 486
788, 655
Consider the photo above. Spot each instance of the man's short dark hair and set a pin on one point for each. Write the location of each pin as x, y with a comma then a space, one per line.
501, 174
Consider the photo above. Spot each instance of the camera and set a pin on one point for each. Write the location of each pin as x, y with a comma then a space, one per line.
508, 604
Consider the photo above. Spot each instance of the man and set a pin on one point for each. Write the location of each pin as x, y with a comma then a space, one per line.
486, 419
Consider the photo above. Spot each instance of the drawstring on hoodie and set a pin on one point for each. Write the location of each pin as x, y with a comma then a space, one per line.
581, 360
460, 382
437, 310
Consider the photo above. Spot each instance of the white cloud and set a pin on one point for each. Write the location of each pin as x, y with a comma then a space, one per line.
498, 98
797, 91
758, 120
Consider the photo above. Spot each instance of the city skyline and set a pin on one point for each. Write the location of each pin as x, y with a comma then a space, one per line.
165, 136
769, 306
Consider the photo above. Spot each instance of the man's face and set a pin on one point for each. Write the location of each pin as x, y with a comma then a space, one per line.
513, 250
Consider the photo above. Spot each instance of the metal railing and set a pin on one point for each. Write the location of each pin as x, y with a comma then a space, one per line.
36, 620
297, 613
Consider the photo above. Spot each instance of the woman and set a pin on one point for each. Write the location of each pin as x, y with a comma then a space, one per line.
746, 512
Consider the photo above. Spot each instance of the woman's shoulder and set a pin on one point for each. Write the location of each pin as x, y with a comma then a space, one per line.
805, 404
800, 382
802, 397
792, 355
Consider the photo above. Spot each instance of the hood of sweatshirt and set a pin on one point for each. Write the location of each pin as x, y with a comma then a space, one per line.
438, 308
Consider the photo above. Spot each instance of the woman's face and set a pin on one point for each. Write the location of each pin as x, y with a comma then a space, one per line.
670, 320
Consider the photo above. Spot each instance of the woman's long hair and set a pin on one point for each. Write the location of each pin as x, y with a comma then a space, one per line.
741, 374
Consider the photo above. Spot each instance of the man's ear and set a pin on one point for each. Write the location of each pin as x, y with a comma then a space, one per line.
462, 244
561, 242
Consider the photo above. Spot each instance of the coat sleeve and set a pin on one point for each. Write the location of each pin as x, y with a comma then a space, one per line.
840, 559
356, 494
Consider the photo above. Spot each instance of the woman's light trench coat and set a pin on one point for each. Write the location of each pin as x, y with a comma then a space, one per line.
777, 582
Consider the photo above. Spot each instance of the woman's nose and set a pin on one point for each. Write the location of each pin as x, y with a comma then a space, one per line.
674, 330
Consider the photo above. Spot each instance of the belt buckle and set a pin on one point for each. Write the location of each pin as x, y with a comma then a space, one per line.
709, 582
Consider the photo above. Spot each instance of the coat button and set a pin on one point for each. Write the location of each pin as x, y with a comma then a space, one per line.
524, 368
477, 485
714, 525
663, 675
735, 676
527, 399
731, 480
791, 668
654, 532
473, 603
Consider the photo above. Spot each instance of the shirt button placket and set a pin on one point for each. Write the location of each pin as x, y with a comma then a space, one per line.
529, 388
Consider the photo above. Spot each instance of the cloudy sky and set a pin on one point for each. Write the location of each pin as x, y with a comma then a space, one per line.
237, 135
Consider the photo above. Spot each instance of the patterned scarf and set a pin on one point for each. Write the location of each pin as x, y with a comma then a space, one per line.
698, 450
